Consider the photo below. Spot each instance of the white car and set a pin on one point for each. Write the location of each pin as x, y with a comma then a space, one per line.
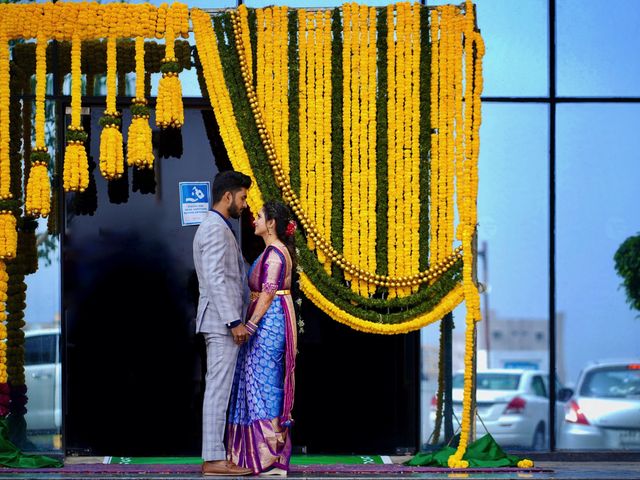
512, 403
604, 412
43, 376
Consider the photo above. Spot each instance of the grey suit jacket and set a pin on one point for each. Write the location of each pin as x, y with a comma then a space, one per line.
221, 275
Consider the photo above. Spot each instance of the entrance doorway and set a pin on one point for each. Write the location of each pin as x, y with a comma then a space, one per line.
133, 368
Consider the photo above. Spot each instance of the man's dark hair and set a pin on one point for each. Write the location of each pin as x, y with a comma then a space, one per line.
229, 181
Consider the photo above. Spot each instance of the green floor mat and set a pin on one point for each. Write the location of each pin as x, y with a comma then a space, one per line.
295, 460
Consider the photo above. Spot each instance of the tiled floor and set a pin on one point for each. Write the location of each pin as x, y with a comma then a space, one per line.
560, 471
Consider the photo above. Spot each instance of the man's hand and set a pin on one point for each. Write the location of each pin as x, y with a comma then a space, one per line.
240, 334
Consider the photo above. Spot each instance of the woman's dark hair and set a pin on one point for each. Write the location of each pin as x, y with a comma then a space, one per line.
279, 212
229, 181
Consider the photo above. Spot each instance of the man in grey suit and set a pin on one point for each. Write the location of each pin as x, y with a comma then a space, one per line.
222, 278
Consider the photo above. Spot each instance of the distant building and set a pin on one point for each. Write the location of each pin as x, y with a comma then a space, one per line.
513, 343
522, 343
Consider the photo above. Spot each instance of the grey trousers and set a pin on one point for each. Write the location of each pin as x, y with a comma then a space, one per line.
222, 355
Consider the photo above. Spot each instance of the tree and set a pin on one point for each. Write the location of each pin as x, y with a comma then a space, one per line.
627, 259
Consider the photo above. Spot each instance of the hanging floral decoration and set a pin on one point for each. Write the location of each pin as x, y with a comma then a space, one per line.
111, 148
169, 109
76, 165
389, 178
355, 290
78, 27
4, 118
140, 149
8, 233
38, 202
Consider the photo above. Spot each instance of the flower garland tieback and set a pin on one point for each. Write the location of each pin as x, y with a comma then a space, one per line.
76, 164
38, 201
169, 110
140, 151
111, 149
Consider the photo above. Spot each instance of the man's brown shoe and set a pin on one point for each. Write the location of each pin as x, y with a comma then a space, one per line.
224, 468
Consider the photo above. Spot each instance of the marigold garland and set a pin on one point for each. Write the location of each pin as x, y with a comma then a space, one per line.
450, 301
38, 202
140, 148
169, 109
76, 164
467, 181
5, 161
111, 148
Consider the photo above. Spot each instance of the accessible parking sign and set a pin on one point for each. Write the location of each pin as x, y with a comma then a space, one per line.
194, 202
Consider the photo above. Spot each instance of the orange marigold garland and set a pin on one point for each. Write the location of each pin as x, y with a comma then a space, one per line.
76, 165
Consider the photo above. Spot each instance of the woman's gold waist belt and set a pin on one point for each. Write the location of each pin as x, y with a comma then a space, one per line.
255, 295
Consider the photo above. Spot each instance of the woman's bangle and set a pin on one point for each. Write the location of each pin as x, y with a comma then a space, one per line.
251, 327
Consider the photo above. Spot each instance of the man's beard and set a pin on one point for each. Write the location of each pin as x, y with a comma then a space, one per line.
234, 211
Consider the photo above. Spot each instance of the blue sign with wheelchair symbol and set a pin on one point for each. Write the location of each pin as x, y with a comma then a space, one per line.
194, 202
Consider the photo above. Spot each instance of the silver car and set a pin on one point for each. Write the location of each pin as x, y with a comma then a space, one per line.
604, 412
512, 403
43, 374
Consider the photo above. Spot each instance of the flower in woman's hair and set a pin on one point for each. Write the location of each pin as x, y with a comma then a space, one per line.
291, 228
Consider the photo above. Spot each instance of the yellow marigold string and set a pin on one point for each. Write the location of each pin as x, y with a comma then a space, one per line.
392, 157
415, 201
467, 182
5, 161
111, 148
403, 47
359, 141
76, 164
435, 136
140, 148
169, 109
38, 201
369, 92
304, 115
312, 159
327, 113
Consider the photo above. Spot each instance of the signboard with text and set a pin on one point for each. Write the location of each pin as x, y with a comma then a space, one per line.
194, 202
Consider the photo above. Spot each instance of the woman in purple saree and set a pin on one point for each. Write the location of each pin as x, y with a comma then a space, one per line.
262, 394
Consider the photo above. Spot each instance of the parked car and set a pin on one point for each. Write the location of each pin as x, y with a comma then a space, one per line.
44, 379
604, 412
512, 403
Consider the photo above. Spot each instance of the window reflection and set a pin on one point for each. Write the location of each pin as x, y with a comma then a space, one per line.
597, 176
513, 264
